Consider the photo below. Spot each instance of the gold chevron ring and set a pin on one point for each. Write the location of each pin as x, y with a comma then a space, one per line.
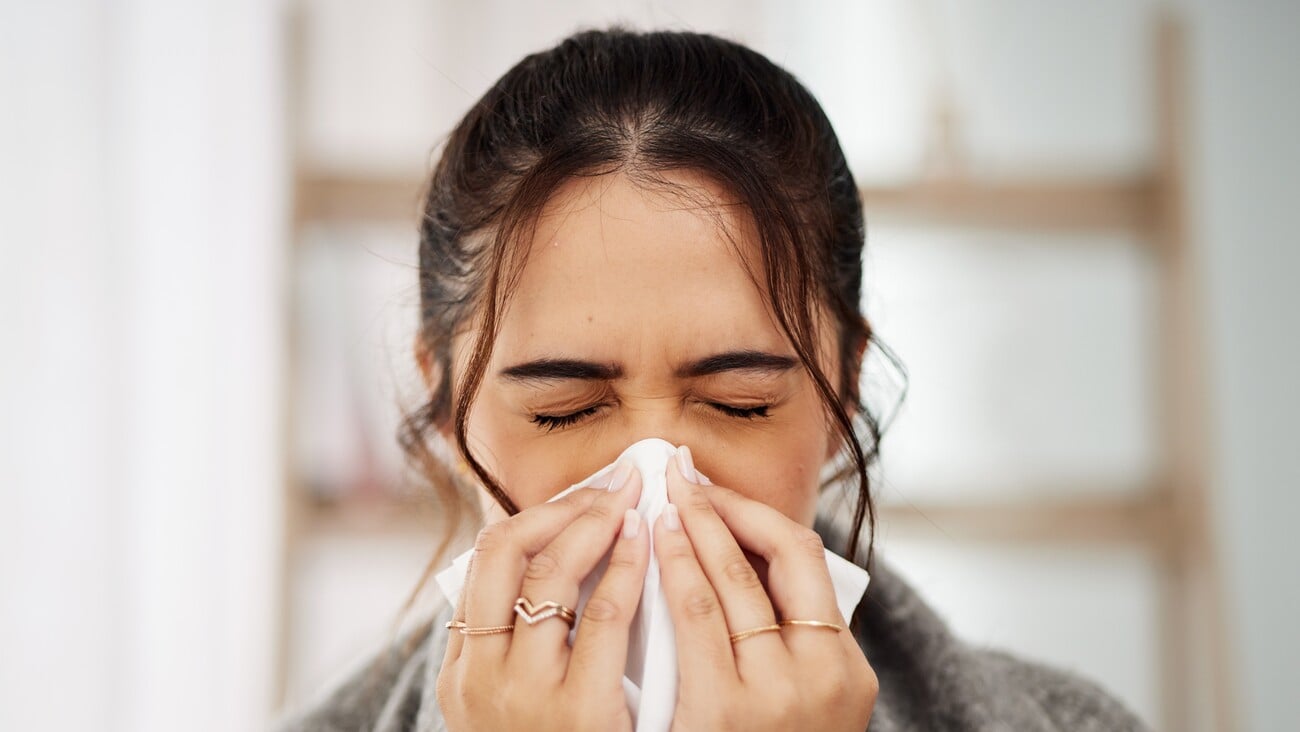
533, 614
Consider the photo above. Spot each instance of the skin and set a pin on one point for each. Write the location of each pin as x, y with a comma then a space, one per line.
637, 287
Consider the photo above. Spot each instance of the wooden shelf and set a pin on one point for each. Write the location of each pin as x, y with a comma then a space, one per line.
1138, 519
360, 197
370, 518
1058, 204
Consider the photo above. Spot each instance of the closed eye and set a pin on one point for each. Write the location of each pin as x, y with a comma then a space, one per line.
551, 422
742, 412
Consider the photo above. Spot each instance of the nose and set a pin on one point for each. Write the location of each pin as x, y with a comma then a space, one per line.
672, 423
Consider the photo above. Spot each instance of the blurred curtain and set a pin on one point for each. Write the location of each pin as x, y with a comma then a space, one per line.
144, 207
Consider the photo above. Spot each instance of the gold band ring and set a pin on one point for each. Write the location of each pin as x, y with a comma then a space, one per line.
463, 629
752, 631
533, 614
814, 623
767, 628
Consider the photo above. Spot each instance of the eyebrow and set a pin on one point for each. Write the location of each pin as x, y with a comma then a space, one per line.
546, 370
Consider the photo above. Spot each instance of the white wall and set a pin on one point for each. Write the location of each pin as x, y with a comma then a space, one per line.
59, 556
1246, 158
144, 205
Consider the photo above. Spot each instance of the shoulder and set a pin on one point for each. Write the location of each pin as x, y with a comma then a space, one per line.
385, 692
1069, 701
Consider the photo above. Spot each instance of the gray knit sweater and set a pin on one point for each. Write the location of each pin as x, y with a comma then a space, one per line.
929, 679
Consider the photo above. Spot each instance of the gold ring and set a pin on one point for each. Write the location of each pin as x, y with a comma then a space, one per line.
533, 614
752, 631
463, 629
814, 623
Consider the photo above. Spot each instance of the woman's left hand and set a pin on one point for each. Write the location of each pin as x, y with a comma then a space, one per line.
800, 677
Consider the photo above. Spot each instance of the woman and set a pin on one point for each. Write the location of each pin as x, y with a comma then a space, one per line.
641, 235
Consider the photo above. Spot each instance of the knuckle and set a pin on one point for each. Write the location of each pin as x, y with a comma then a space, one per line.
700, 605
493, 537
870, 683
860, 677
696, 500
601, 609
543, 566
622, 561
741, 572
586, 495
721, 492
677, 552
810, 541
600, 511
836, 683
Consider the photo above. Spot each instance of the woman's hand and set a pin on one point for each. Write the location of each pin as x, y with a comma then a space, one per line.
798, 678
530, 679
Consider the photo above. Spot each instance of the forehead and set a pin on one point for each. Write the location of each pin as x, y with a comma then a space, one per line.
614, 265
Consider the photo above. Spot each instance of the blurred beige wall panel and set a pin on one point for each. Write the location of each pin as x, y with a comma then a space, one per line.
1053, 85
1087, 609
869, 65
344, 597
1029, 356
385, 81
357, 303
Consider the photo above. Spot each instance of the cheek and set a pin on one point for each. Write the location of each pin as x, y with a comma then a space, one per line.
530, 470
783, 470
782, 475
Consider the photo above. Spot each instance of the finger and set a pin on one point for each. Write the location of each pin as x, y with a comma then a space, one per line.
556, 573
455, 639
798, 578
703, 646
600, 648
496, 568
745, 603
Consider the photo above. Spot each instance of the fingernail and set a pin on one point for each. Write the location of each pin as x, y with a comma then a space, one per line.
631, 523
671, 519
686, 465
704, 479
621, 474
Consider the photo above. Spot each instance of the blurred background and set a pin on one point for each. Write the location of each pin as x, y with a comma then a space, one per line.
1081, 245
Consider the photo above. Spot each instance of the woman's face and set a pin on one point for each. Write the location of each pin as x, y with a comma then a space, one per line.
633, 318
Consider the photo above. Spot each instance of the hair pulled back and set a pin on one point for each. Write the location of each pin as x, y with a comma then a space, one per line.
618, 100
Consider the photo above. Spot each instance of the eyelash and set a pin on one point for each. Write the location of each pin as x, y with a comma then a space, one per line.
552, 422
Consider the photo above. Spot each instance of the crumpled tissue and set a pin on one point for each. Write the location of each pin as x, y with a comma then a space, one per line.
650, 676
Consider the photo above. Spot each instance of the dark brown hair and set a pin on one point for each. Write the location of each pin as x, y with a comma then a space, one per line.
618, 100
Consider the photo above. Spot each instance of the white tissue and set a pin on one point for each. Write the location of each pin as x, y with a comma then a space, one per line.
650, 676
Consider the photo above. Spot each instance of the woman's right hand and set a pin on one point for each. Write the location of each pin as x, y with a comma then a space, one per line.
530, 678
